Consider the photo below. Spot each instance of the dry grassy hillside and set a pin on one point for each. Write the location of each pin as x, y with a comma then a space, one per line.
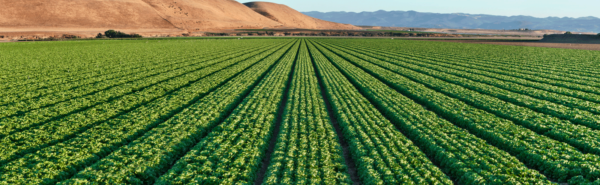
206, 15
37, 19
79, 14
291, 18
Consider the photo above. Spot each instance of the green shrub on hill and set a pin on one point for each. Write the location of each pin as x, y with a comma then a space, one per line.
118, 34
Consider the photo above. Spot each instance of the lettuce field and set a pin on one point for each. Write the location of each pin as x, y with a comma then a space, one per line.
297, 111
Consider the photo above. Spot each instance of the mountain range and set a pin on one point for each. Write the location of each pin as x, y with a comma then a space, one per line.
459, 20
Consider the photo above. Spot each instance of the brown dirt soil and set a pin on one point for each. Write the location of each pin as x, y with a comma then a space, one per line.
529, 43
531, 33
291, 18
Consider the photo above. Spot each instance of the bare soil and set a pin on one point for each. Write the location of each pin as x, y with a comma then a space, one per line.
529, 43
531, 33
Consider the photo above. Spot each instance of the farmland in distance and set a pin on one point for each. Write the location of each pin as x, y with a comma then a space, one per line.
297, 111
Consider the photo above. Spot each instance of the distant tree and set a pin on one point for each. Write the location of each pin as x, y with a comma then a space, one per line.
598, 34
118, 34
568, 33
111, 33
99, 36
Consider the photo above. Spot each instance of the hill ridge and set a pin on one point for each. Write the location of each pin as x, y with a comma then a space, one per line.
294, 19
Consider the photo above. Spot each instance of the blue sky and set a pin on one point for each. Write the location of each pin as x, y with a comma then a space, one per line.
536, 8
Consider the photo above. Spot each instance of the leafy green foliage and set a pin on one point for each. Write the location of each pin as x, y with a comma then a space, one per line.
379, 159
180, 133
115, 132
204, 111
435, 135
505, 101
307, 150
118, 34
555, 159
232, 151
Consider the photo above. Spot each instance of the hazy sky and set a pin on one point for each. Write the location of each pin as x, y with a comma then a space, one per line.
536, 8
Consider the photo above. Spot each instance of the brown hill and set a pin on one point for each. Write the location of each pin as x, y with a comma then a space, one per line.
191, 15
22, 19
207, 15
80, 14
291, 18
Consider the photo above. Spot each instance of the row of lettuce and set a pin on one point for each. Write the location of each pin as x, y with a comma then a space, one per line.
222, 117
538, 114
54, 62
464, 157
526, 127
60, 148
307, 150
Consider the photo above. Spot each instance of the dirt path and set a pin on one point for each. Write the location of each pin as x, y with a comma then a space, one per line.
529, 43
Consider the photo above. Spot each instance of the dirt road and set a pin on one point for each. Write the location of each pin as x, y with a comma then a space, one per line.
529, 43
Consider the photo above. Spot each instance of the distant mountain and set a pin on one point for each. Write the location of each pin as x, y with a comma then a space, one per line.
458, 20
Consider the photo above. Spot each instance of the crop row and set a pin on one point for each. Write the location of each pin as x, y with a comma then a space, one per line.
307, 149
464, 157
551, 60
69, 60
509, 71
560, 79
93, 91
278, 111
473, 93
146, 158
67, 63
539, 64
121, 72
584, 89
564, 96
382, 154
232, 152
554, 159
35, 116
63, 159
67, 76
20, 137
553, 74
